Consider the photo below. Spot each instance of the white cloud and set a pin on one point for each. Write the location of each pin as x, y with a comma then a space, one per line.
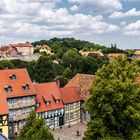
102, 6
132, 12
133, 28
30, 19
74, 8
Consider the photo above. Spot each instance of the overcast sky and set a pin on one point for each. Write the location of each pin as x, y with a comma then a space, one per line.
98, 21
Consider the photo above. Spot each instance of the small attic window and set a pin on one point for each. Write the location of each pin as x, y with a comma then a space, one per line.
12, 76
48, 102
8, 89
57, 100
37, 104
25, 87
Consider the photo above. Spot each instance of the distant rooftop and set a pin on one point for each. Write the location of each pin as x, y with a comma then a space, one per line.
21, 45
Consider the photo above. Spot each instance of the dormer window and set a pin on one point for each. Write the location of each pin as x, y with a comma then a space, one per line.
48, 102
12, 77
8, 89
25, 87
57, 100
37, 104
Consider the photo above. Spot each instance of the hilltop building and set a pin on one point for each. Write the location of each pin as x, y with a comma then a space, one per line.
86, 53
26, 49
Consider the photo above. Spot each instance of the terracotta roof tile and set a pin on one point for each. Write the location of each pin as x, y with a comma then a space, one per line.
115, 54
5, 48
22, 78
21, 45
83, 83
69, 95
48, 92
3, 104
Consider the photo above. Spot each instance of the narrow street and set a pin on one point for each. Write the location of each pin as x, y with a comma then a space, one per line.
66, 133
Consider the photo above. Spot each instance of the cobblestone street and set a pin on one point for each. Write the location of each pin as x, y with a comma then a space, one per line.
67, 133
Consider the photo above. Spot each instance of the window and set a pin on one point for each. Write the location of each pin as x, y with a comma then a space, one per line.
67, 117
0, 119
71, 106
24, 99
46, 114
37, 104
77, 104
48, 102
15, 101
62, 111
52, 122
49, 113
28, 99
8, 89
10, 101
26, 87
57, 100
67, 106
52, 112
71, 116
13, 77
56, 111
77, 114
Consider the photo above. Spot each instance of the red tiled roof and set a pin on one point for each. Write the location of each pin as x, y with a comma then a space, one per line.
69, 95
83, 84
115, 54
21, 45
22, 78
3, 104
5, 48
48, 92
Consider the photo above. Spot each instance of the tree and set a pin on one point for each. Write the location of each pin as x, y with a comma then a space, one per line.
44, 70
6, 64
34, 129
71, 59
91, 63
114, 105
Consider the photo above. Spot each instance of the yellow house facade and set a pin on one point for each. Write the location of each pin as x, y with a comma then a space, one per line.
72, 113
4, 125
3, 115
72, 101
45, 49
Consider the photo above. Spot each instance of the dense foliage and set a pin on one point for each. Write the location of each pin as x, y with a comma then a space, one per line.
48, 68
114, 105
65, 62
59, 46
34, 129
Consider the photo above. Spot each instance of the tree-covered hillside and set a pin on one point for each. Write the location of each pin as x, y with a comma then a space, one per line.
65, 61
59, 46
